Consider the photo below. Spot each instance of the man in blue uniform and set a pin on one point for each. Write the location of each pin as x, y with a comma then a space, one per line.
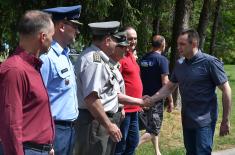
59, 78
197, 77
154, 74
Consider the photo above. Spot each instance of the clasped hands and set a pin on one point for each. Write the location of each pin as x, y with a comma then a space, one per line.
147, 101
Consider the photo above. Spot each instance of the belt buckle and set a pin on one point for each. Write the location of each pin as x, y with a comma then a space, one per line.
109, 114
47, 147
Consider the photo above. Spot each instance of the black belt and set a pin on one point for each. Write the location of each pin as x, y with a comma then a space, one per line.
65, 123
109, 114
38, 147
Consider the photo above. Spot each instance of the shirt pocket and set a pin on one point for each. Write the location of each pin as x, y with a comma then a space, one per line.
64, 75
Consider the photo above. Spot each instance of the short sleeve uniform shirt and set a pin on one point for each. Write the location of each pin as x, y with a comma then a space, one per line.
59, 78
94, 75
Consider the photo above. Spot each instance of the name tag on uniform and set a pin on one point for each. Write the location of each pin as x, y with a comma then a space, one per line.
64, 70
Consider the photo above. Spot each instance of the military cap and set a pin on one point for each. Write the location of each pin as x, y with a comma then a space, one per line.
121, 38
104, 28
70, 13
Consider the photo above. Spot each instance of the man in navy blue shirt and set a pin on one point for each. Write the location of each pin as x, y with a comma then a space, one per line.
154, 74
197, 77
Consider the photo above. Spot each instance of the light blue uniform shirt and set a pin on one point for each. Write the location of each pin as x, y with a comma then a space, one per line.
59, 78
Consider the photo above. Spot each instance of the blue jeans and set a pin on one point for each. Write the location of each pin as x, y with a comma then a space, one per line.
1, 149
33, 152
199, 141
64, 140
130, 135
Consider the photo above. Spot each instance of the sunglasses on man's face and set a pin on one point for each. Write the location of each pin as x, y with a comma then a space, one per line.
73, 25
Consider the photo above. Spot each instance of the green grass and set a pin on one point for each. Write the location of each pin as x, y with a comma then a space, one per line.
171, 139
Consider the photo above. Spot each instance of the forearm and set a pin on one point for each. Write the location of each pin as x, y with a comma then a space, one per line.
125, 99
226, 100
164, 92
97, 110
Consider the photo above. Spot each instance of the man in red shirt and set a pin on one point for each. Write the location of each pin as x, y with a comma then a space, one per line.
26, 126
131, 74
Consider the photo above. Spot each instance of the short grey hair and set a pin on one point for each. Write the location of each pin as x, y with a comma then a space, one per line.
33, 22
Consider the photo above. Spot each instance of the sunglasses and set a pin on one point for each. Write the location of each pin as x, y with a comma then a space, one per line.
73, 25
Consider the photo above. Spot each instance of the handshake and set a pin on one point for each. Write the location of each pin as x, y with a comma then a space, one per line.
147, 101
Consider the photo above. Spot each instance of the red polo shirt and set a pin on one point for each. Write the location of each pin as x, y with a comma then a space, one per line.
25, 114
131, 74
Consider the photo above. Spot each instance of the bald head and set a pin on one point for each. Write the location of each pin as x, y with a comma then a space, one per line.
131, 36
158, 42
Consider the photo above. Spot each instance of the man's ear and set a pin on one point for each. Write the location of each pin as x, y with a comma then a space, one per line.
194, 44
107, 41
42, 36
60, 26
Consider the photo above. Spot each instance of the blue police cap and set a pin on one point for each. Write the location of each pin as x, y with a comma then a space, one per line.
104, 28
71, 13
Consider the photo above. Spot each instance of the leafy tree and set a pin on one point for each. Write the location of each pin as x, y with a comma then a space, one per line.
203, 22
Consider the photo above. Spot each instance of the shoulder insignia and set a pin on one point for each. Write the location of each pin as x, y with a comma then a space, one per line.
96, 57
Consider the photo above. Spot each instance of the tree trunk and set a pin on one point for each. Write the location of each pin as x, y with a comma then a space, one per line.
215, 27
181, 19
203, 22
182, 13
156, 25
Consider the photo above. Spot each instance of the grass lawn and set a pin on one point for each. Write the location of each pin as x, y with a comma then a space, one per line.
171, 139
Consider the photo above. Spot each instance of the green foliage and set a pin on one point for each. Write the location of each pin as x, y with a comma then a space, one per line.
225, 47
137, 13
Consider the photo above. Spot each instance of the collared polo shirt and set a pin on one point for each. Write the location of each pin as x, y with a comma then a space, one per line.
197, 79
59, 78
25, 114
130, 71
94, 75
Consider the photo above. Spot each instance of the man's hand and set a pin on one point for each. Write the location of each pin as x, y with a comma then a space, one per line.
147, 101
123, 114
114, 132
224, 128
52, 152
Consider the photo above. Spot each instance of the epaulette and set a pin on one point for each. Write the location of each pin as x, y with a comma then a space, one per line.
96, 57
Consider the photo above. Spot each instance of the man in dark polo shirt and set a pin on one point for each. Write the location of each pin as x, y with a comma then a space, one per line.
154, 74
197, 77
26, 126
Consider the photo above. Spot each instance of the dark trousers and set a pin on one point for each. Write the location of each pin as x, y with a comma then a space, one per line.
130, 135
199, 141
64, 139
92, 137
1, 149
